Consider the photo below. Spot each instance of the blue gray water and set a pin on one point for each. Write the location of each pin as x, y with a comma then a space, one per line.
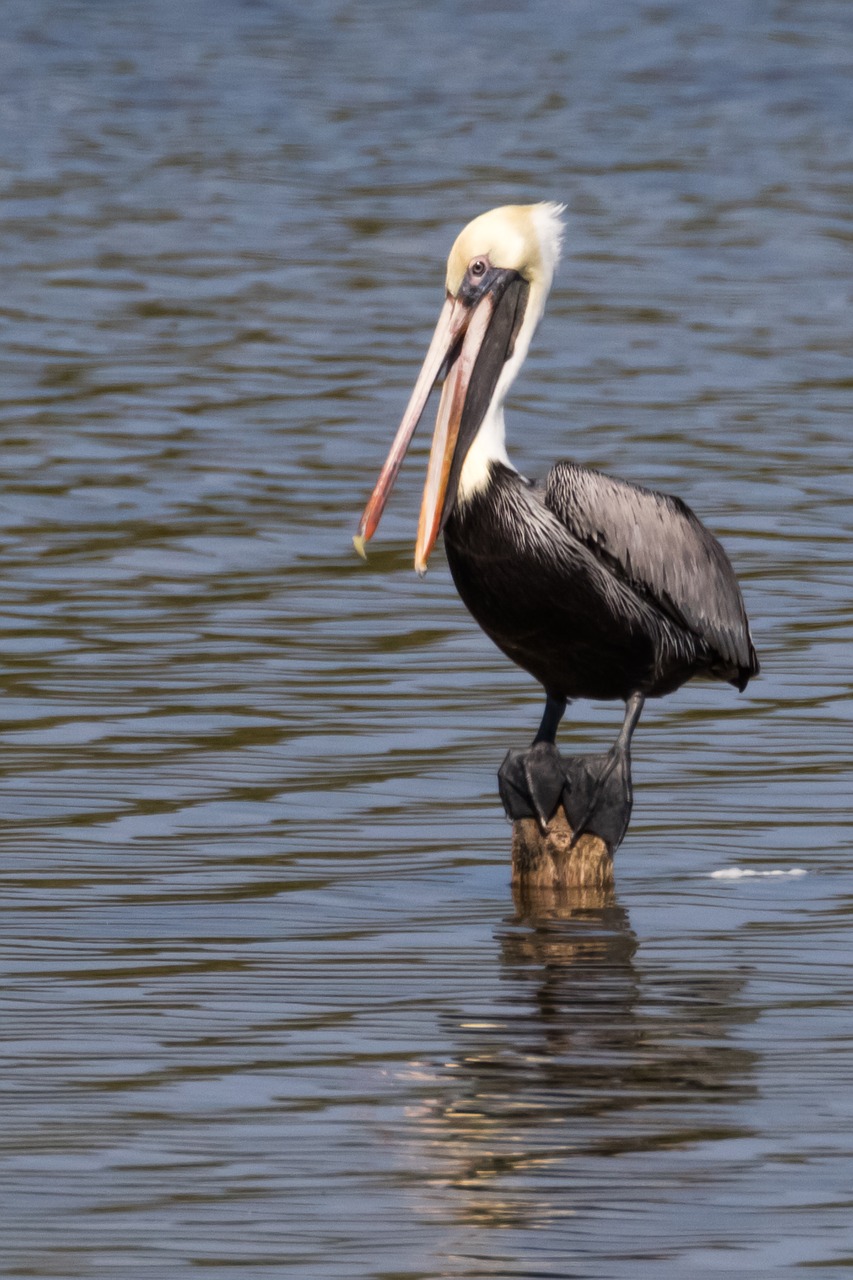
268, 1007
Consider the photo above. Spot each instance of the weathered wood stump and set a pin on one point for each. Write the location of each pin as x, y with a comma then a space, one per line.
549, 860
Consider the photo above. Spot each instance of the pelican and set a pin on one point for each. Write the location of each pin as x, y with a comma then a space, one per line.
597, 587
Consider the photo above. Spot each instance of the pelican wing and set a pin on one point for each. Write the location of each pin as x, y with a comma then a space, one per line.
657, 546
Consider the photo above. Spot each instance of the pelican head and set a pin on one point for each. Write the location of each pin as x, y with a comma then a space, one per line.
498, 276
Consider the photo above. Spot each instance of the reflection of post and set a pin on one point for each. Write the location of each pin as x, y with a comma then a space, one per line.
549, 860
570, 1079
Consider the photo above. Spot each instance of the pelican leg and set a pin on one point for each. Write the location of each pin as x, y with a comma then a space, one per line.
532, 782
603, 795
555, 709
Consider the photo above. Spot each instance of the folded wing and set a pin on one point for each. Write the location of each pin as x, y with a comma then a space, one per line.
657, 546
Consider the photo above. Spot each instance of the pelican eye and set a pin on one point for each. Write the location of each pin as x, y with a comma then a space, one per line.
478, 267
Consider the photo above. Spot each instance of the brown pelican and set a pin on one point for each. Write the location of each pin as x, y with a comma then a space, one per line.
597, 587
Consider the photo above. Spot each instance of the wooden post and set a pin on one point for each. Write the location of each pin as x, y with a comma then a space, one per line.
593, 791
548, 861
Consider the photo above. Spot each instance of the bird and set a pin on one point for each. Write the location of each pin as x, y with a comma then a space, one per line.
598, 587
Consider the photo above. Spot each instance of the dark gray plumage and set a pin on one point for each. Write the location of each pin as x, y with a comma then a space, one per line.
655, 544
597, 587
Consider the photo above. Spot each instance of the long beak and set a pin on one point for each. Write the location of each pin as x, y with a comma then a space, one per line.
446, 435
452, 324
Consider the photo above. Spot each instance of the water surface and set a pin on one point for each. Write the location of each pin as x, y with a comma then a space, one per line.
268, 1005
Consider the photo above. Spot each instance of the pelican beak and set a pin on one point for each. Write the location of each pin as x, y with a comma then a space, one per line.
473, 365
452, 323
446, 437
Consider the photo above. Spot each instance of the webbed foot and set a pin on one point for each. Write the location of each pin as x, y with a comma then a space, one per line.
532, 782
601, 796
595, 791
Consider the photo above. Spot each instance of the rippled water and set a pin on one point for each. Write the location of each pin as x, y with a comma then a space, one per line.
268, 1005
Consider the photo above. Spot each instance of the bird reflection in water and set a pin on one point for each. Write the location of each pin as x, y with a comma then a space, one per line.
586, 1058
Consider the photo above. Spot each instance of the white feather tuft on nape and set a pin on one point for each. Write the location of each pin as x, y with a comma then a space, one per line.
550, 228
